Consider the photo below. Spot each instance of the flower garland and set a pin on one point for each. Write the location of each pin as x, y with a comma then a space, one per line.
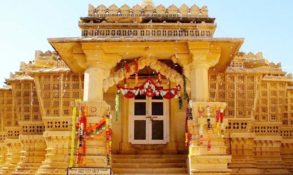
139, 64
150, 89
117, 105
189, 116
209, 128
73, 134
219, 123
81, 132
200, 111
87, 131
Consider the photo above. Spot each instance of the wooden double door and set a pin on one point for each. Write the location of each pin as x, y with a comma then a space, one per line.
148, 120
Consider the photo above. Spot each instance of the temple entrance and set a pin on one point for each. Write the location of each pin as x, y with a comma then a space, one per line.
148, 120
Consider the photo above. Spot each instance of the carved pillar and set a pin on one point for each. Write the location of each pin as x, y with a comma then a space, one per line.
32, 154
12, 157
93, 84
268, 154
3, 149
204, 56
199, 80
98, 68
3, 152
58, 150
96, 155
201, 159
242, 150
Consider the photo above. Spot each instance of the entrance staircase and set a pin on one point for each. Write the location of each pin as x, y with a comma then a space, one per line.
149, 163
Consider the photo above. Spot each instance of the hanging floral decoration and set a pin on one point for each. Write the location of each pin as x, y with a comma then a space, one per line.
209, 128
87, 131
185, 95
159, 78
220, 121
117, 105
189, 116
136, 72
131, 68
214, 117
201, 111
81, 132
150, 89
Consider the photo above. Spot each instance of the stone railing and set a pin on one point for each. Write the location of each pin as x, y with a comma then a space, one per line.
141, 33
57, 123
148, 10
286, 132
261, 129
239, 125
32, 127
13, 132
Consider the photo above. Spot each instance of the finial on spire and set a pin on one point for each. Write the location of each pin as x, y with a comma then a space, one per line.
145, 3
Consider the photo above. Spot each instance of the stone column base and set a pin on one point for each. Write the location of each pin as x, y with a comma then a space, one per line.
32, 154
3, 152
207, 158
209, 164
96, 152
13, 156
57, 156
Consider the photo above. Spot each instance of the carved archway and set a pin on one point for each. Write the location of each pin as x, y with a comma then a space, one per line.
153, 63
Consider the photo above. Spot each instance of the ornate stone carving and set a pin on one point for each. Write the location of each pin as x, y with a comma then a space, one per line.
136, 10
194, 10
57, 156
184, 10
113, 9
91, 10
101, 10
148, 8
160, 9
172, 10
32, 154
12, 157
125, 10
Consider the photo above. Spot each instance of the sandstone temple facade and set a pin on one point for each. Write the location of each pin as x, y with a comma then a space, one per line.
177, 99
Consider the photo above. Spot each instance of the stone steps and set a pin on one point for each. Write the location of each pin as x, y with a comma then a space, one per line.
148, 164
133, 170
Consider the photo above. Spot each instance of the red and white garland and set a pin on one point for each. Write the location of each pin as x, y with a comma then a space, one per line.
150, 89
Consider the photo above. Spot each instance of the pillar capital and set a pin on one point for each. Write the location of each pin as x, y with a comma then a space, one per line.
204, 54
97, 57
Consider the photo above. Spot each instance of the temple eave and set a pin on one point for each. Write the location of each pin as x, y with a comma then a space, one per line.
72, 49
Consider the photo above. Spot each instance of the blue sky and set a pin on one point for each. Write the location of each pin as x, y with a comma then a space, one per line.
25, 26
